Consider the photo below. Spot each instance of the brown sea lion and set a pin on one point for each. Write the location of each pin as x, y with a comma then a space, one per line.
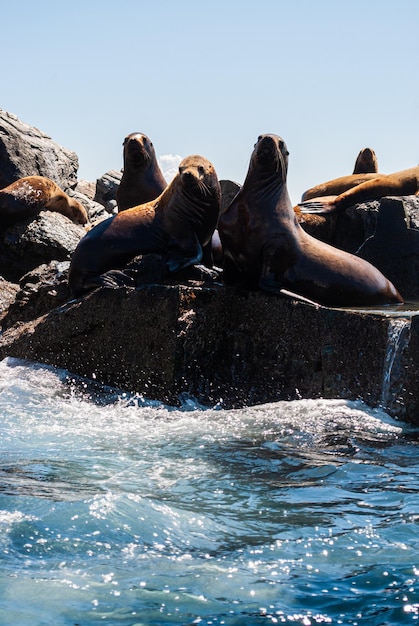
27, 196
336, 186
403, 183
178, 224
366, 168
265, 246
142, 179
366, 162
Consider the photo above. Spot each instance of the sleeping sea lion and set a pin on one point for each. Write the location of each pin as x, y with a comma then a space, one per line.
329, 198
178, 224
27, 196
265, 246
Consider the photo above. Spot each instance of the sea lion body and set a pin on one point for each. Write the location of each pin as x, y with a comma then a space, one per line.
178, 224
25, 197
337, 186
402, 183
142, 179
265, 246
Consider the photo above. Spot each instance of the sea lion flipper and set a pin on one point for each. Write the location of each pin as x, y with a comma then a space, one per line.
183, 252
320, 205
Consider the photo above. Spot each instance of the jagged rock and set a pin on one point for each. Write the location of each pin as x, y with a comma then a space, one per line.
106, 187
27, 151
25, 246
95, 210
86, 188
8, 293
38, 292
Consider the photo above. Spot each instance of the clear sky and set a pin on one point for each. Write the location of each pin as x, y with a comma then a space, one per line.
208, 76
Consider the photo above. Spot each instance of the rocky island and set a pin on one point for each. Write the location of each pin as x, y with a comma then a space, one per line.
162, 337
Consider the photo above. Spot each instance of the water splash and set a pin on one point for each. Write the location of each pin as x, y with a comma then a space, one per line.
398, 338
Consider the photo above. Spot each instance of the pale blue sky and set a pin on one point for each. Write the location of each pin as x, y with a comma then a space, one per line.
329, 76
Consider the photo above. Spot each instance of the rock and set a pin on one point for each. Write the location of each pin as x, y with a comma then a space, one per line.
95, 211
25, 246
26, 151
394, 245
106, 187
228, 190
225, 347
38, 292
86, 188
384, 232
8, 293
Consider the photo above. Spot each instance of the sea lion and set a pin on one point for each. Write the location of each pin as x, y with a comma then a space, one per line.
365, 168
403, 183
25, 197
178, 224
366, 162
265, 246
142, 179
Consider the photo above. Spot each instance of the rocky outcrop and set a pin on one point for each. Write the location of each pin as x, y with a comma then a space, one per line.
106, 188
162, 336
224, 347
26, 245
27, 151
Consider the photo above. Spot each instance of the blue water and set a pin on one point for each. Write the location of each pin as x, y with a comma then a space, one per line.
115, 510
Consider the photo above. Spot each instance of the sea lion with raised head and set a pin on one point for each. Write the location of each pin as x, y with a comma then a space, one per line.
142, 179
265, 246
178, 224
328, 198
26, 197
366, 162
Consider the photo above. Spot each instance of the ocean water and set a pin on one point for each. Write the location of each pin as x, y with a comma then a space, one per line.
116, 510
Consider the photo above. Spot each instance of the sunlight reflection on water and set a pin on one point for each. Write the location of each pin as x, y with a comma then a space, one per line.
131, 512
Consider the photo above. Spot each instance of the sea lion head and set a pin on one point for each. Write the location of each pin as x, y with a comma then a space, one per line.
138, 150
366, 162
270, 156
198, 178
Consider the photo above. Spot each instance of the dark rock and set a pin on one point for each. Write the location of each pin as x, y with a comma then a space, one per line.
223, 346
106, 188
384, 232
228, 190
38, 292
26, 151
25, 246
8, 293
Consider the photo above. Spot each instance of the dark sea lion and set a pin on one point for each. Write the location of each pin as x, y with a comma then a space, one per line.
142, 179
178, 224
27, 196
265, 246
403, 183
366, 162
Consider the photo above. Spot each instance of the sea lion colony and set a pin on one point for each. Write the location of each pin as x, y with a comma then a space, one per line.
263, 243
